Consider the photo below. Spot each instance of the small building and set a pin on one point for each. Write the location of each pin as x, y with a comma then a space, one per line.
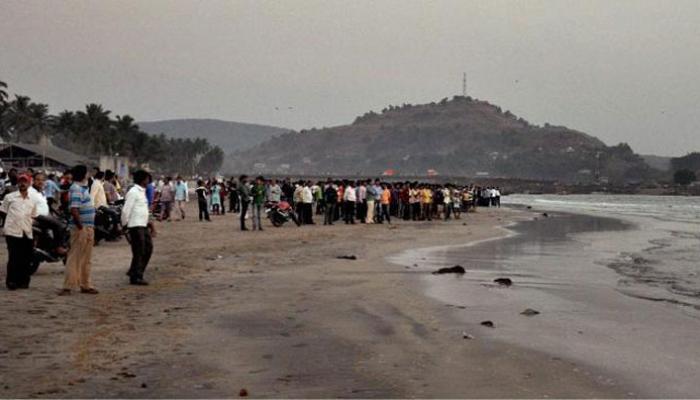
38, 156
118, 165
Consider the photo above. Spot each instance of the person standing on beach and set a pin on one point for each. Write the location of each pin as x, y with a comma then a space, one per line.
414, 202
216, 197
202, 202
150, 192
258, 198
223, 193
82, 236
64, 189
349, 198
274, 192
51, 191
307, 201
377, 187
110, 188
244, 197
317, 194
233, 197
427, 203
447, 201
167, 196
19, 209
182, 196
330, 198
385, 199
97, 190
372, 196
135, 219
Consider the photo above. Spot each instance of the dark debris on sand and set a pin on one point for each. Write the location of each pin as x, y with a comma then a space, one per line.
457, 269
504, 281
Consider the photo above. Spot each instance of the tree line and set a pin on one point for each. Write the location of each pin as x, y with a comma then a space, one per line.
94, 132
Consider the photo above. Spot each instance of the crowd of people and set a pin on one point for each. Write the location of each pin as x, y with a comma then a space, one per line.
66, 206
348, 201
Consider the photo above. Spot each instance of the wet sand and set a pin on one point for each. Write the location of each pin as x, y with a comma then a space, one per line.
559, 266
273, 312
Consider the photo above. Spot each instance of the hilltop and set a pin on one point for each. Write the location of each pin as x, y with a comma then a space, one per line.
230, 136
458, 137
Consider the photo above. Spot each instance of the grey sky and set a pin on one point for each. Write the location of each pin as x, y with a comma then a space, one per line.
619, 70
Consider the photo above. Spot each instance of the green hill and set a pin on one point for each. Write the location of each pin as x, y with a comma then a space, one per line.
458, 137
230, 136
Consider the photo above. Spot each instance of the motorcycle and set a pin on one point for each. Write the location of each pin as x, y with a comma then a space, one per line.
108, 222
280, 213
45, 243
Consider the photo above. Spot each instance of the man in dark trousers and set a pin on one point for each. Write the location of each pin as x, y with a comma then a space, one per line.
135, 218
244, 194
19, 209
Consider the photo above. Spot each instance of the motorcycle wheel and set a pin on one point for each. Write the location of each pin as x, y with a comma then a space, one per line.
33, 266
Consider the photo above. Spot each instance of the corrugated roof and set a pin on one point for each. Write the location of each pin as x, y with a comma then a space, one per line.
52, 152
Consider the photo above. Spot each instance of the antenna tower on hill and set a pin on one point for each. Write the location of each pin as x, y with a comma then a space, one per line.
464, 84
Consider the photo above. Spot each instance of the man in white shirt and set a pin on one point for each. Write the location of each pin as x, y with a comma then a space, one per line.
274, 192
135, 219
349, 198
307, 200
19, 209
182, 195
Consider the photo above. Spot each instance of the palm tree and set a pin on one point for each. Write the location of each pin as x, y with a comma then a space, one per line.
64, 122
93, 125
126, 129
18, 117
3, 92
4, 134
39, 121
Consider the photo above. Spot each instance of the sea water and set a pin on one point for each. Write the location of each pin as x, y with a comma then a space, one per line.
615, 279
659, 258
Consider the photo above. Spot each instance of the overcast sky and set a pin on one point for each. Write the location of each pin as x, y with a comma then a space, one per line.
620, 70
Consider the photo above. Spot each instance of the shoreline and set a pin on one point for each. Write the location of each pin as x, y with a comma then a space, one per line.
273, 312
584, 315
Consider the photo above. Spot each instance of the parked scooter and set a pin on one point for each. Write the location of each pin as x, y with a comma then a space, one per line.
280, 213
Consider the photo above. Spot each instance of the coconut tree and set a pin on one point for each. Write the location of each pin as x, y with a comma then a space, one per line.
18, 117
64, 122
4, 134
92, 126
126, 129
3, 92
39, 122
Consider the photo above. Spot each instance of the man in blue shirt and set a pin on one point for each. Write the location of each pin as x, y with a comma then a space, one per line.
51, 190
82, 235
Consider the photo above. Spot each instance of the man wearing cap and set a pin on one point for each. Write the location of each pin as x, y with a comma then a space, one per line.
82, 235
19, 209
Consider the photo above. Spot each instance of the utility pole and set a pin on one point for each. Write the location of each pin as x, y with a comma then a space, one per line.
464, 84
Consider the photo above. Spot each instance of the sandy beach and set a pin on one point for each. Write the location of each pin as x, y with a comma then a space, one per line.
274, 313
